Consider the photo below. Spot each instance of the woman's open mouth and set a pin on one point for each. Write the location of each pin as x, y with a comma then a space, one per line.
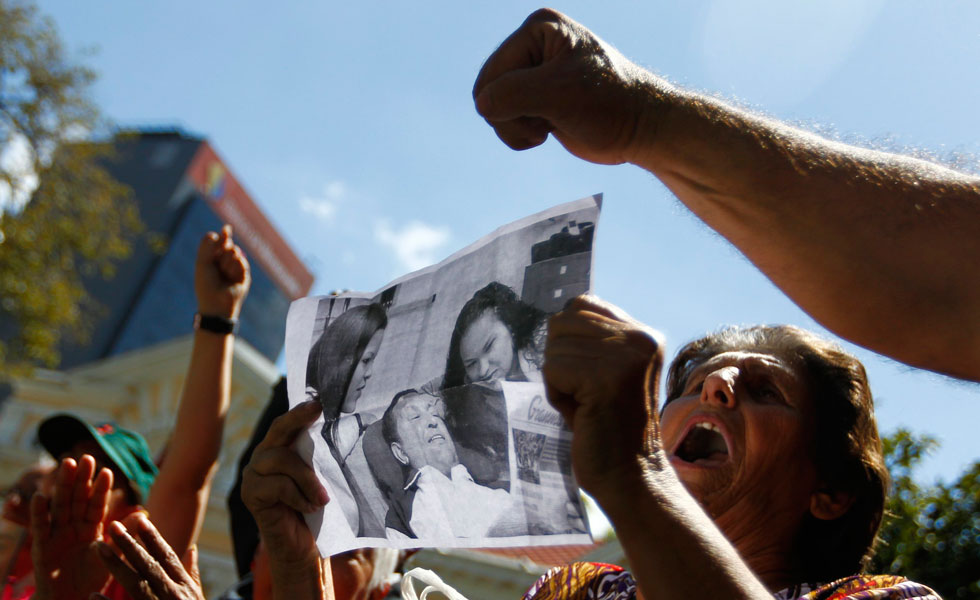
703, 445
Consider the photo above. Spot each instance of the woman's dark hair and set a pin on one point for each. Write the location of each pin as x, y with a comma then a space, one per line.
845, 447
522, 320
334, 356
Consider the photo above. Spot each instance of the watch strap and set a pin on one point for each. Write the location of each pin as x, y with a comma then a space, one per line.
216, 324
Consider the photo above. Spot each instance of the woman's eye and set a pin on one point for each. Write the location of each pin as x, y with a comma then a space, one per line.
769, 393
488, 345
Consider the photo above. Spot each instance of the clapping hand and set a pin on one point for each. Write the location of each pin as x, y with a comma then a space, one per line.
64, 529
151, 570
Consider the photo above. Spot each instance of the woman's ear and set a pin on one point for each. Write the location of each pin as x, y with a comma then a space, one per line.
827, 504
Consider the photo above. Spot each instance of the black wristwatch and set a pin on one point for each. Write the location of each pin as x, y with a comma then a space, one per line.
216, 324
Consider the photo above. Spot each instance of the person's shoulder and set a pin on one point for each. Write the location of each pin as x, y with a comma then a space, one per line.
584, 581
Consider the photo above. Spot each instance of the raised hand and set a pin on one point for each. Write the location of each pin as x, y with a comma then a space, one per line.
601, 371
152, 570
555, 76
221, 275
64, 529
278, 487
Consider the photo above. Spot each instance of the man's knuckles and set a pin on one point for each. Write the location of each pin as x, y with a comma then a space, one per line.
646, 341
543, 16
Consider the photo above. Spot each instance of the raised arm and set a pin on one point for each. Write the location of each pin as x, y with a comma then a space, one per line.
602, 372
178, 499
878, 247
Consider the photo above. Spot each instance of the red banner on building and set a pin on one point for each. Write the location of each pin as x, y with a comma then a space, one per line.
226, 196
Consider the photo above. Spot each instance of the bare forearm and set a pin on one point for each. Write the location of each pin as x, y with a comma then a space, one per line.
179, 497
203, 406
675, 551
872, 245
875, 246
310, 579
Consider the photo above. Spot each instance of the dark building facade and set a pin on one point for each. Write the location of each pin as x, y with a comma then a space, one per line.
184, 189
560, 267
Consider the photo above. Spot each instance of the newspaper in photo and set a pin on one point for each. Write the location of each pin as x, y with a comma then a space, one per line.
541, 461
425, 438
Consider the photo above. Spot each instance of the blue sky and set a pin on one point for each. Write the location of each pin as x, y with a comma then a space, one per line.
352, 125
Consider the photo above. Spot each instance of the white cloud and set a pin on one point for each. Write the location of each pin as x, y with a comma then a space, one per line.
324, 206
16, 161
335, 190
318, 207
415, 244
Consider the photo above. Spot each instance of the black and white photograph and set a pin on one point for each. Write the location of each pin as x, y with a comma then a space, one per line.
418, 383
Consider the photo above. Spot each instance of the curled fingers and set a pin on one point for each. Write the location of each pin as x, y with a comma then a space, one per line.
142, 565
280, 476
285, 428
160, 550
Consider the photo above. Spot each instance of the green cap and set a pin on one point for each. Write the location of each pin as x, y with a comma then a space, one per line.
126, 449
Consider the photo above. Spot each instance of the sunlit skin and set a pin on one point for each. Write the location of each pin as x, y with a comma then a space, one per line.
423, 438
362, 372
760, 404
487, 349
351, 573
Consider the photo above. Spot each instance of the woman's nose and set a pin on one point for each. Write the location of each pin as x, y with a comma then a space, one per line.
719, 387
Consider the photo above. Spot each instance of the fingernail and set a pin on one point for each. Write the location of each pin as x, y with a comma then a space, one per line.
322, 497
104, 549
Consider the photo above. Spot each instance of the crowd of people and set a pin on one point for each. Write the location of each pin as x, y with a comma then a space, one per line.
759, 474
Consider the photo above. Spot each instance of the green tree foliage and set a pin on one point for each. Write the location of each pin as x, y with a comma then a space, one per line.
62, 215
931, 534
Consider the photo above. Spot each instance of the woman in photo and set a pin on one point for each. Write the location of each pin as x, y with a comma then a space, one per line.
497, 337
339, 367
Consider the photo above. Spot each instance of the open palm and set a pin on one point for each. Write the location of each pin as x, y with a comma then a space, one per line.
64, 527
